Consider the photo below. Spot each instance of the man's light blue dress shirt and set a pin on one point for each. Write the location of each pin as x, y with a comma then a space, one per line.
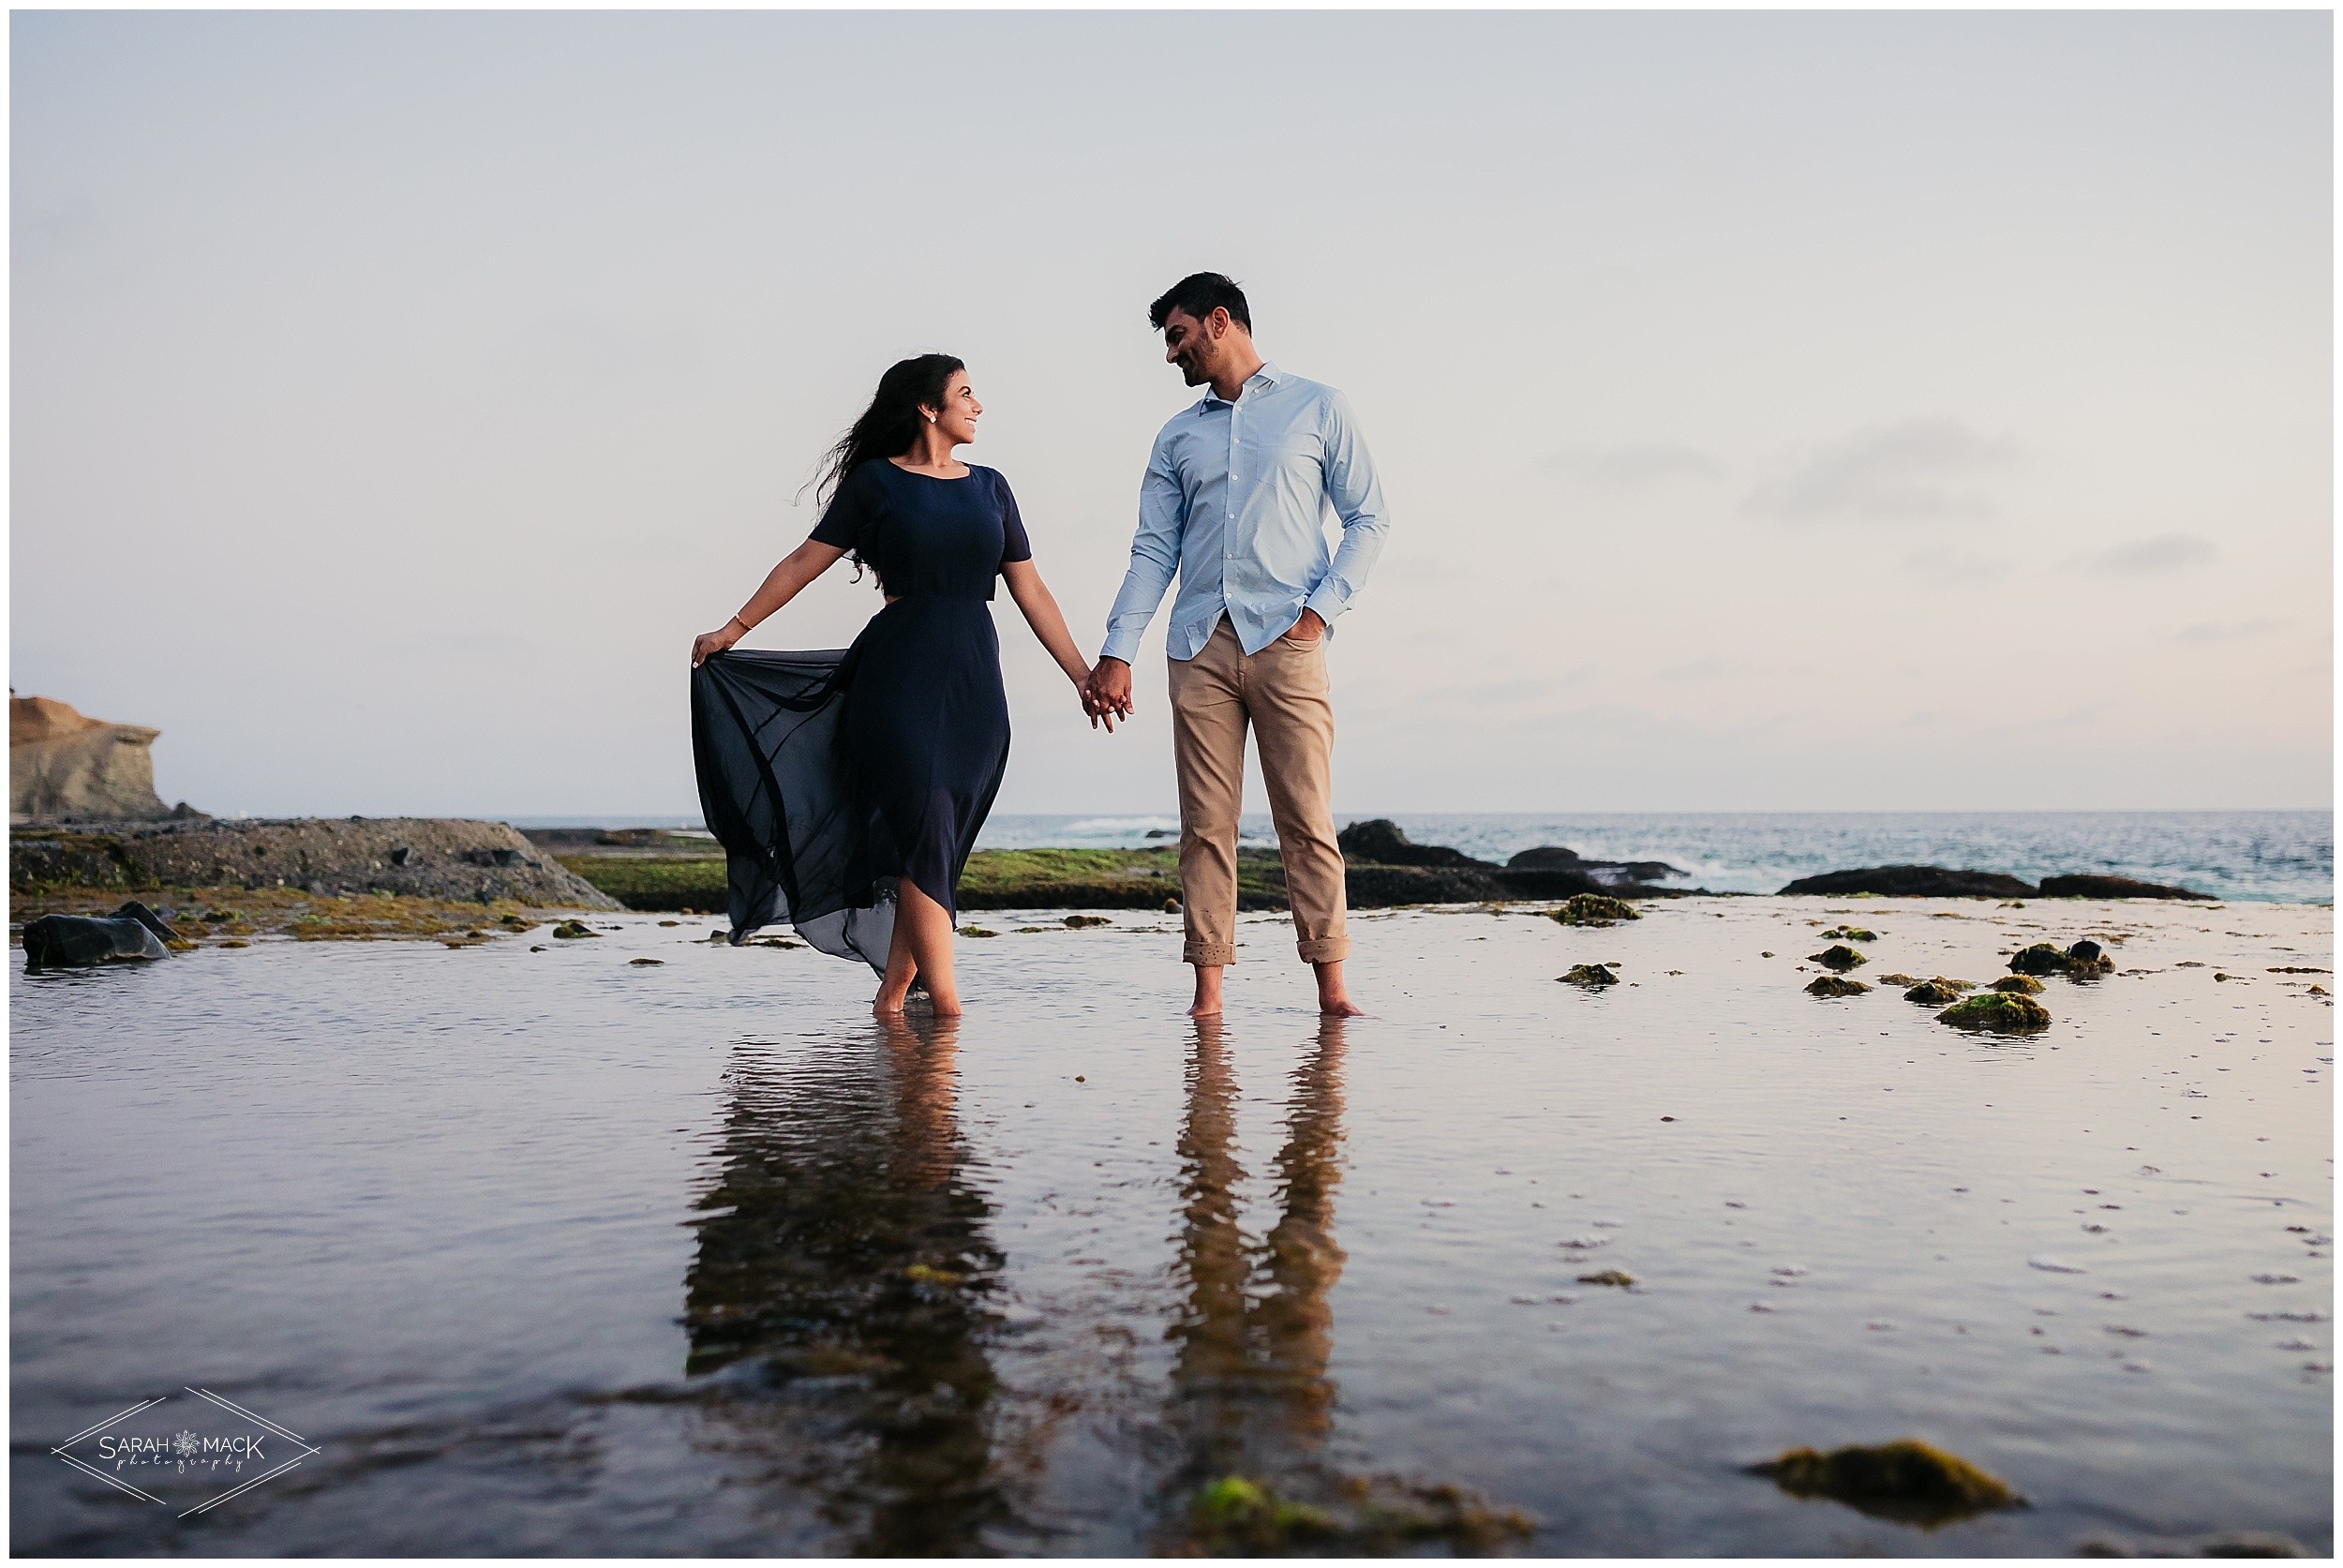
1234, 499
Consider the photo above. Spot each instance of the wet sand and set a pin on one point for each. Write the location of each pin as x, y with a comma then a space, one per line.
552, 1252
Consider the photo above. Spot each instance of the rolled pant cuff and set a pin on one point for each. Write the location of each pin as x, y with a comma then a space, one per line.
1325, 949
1209, 955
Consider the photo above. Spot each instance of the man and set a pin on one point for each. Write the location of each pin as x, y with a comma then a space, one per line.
1234, 498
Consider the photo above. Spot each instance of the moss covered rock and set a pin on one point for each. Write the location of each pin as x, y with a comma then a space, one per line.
1850, 934
1908, 1479
1832, 985
1935, 994
2024, 985
1838, 957
1595, 909
2006, 1011
1594, 977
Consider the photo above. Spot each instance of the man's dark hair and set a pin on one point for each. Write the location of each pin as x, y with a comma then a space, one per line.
1200, 294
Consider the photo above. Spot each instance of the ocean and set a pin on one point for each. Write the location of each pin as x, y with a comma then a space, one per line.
2284, 857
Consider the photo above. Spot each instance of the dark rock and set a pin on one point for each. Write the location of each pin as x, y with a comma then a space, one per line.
1075, 923
1910, 882
1549, 882
1382, 887
1850, 934
131, 934
2084, 960
1163, 834
1935, 994
1838, 957
2112, 887
2024, 985
1594, 977
1603, 874
1832, 985
1380, 842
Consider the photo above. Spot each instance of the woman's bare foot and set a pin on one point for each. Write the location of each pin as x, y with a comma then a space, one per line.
1207, 1003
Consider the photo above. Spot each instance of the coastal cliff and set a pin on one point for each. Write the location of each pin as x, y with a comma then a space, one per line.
63, 763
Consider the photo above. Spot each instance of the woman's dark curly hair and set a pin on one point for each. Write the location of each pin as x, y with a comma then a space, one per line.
890, 425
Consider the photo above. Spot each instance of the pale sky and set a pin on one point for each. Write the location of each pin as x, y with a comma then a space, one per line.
1804, 412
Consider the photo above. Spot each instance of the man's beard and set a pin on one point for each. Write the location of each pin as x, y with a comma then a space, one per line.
1193, 372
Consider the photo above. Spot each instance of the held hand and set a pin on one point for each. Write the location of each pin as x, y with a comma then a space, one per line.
1107, 694
716, 641
1091, 705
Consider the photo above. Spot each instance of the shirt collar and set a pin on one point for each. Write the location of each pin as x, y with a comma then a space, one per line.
1267, 375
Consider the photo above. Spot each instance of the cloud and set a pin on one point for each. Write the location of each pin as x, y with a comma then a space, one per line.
1635, 463
2149, 558
1906, 473
2228, 631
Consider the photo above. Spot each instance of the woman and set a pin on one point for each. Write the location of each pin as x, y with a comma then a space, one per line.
848, 787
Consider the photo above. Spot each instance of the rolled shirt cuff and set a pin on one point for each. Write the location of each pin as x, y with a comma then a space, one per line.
1328, 601
1121, 645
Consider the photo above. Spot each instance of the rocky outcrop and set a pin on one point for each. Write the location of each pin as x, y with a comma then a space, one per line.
2112, 887
1382, 843
1549, 857
1911, 882
65, 764
419, 857
1377, 846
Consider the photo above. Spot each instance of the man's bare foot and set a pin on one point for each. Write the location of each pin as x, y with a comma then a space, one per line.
1207, 1003
1333, 999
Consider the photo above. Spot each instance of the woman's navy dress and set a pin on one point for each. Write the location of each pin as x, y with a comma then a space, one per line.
829, 777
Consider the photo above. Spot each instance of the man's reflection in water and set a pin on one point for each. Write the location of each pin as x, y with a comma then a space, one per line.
1249, 1386
846, 1260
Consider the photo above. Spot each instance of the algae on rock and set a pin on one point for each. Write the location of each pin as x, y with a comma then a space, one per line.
1595, 909
2006, 1011
1908, 1479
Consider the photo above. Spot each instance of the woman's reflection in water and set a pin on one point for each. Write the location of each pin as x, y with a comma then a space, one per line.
843, 1275
1249, 1387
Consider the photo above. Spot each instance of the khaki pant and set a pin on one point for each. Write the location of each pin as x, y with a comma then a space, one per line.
1281, 692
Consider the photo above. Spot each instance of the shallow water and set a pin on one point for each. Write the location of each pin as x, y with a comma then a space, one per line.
547, 1252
